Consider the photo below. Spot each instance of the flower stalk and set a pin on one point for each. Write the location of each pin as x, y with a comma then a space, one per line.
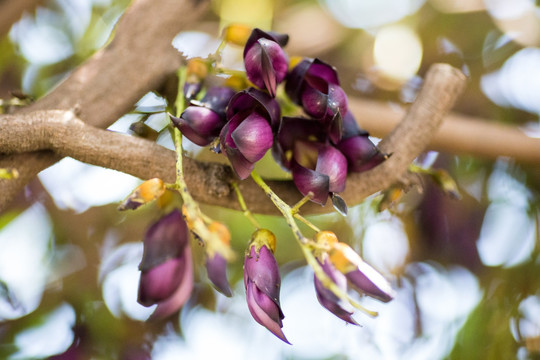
307, 246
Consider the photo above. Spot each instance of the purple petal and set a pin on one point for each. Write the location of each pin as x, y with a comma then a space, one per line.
256, 34
252, 100
262, 269
216, 267
314, 102
295, 80
350, 126
361, 153
337, 100
370, 281
333, 163
240, 164
182, 293
217, 98
253, 137
164, 240
199, 124
266, 64
264, 310
307, 180
323, 71
160, 282
329, 301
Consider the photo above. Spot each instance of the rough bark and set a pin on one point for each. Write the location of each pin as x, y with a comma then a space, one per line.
137, 60
64, 134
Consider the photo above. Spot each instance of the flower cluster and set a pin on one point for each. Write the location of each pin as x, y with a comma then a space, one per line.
319, 149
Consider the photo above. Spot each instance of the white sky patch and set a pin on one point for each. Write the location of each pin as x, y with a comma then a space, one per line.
371, 13
23, 260
78, 186
517, 82
195, 44
53, 336
386, 245
120, 275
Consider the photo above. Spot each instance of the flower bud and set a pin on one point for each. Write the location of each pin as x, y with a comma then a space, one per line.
318, 168
327, 298
216, 264
166, 266
265, 61
361, 275
202, 124
143, 194
262, 282
237, 34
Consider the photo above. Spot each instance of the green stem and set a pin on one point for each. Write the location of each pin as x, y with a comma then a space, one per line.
243, 206
307, 222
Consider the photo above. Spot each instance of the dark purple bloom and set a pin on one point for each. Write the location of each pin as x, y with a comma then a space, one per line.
360, 274
262, 282
291, 130
166, 267
318, 168
248, 135
201, 123
314, 85
361, 153
265, 61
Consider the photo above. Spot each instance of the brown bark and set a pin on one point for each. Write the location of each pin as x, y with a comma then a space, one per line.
66, 135
11, 11
137, 60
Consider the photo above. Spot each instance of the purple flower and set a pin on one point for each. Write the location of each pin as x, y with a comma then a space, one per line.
360, 274
262, 282
201, 123
318, 168
265, 61
166, 266
327, 298
361, 153
314, 85
248, 134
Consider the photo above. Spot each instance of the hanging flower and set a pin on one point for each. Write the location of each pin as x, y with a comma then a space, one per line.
318, 168
248, 135
314, 85
166, 266
265, 61
359, 273
262, 282
202, 121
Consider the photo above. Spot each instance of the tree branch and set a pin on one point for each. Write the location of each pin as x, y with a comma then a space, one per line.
138, 59
66, 135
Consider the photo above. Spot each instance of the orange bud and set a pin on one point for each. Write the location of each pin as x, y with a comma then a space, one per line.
222, 232
197, 68
326, 238
344, 258
143, 194
237, 34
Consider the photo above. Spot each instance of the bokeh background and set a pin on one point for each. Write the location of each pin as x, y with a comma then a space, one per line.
467, 272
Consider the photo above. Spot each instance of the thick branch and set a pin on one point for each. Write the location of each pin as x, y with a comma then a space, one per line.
105, 87
63, 133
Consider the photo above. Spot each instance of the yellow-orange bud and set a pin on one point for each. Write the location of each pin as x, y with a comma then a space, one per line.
237, 34
143, 194
263, 237
344, 258
326, 238
221, 231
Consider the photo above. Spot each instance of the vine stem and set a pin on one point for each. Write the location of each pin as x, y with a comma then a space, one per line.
307, 246
244, 208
